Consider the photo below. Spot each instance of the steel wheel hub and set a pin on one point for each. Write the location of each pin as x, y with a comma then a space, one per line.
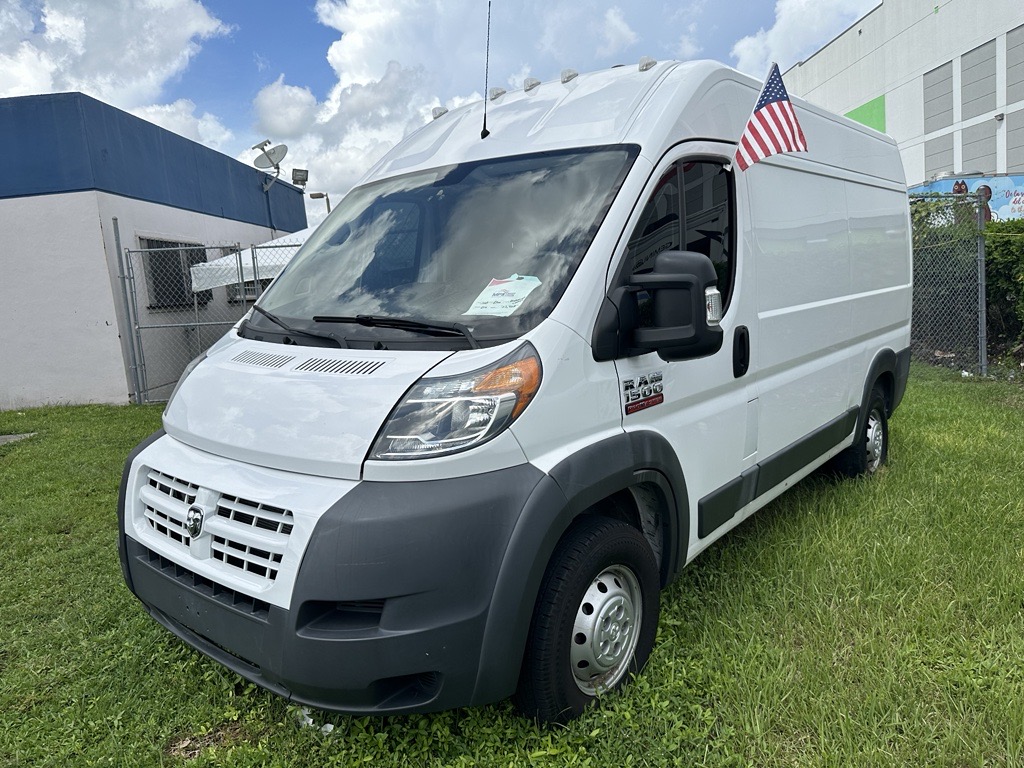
606, 629
875, 441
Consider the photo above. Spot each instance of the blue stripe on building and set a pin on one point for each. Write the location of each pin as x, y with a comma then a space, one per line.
70, 142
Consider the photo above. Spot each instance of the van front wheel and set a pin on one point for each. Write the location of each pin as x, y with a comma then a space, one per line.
871, 448
595, 620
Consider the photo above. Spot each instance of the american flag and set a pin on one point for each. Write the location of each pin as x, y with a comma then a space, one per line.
773, 127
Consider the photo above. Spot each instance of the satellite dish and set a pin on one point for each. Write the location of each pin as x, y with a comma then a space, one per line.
271, 158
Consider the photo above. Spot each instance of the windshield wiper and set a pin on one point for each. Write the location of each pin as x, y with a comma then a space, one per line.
311, 334
402, 323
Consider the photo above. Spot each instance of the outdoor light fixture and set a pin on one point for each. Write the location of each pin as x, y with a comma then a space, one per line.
300, 176
318, 195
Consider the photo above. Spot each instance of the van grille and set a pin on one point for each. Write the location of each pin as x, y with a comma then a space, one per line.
247, 535
251, 550
168, 519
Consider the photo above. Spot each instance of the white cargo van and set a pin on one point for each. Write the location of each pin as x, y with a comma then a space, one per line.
513, 384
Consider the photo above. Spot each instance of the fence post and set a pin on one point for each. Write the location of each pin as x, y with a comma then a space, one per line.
982, 310
133, 365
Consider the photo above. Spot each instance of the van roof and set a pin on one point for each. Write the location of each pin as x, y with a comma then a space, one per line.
667, 103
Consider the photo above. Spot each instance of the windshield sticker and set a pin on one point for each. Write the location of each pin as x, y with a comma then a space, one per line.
503, 297
643, 392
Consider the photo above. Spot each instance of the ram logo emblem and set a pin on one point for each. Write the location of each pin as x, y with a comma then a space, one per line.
194, 521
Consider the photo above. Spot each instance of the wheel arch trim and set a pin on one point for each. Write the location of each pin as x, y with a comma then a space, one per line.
569, 490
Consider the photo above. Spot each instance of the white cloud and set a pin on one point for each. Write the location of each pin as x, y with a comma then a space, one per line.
337, 140
688, 47
395, 59
26, 71
800, 28
688, 19
120, 51
615, 33
15, 24
180, 117
284, 111
64, 29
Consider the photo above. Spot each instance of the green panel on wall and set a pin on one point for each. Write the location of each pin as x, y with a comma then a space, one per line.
871, 114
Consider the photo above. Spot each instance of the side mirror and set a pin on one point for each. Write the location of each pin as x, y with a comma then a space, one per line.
686, 304
680, 318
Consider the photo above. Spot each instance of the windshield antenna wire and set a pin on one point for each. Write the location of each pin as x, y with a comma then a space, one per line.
487, 64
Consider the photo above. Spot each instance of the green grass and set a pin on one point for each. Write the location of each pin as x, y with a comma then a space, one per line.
872, 622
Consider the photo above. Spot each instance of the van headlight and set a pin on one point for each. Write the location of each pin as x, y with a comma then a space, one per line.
444, 415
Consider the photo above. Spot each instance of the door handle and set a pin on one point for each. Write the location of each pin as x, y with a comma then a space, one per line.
740, 351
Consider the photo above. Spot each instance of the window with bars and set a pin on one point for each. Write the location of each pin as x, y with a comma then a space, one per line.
168, 276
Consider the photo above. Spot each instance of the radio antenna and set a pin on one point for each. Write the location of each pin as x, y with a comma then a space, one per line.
487, 65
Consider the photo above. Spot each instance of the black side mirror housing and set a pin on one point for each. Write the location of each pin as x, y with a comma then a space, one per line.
675, 323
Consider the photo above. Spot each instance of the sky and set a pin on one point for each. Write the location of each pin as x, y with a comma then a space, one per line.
340, 82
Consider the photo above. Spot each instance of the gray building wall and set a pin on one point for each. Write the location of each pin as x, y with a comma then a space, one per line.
1015, 142
950, 74
938, 98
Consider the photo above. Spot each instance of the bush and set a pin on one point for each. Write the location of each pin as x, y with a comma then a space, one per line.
1004, 276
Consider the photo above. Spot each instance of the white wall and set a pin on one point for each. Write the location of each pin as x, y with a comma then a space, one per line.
58, 321
64, 334
889, 50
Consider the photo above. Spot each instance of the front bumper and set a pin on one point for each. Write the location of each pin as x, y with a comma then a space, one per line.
389, 604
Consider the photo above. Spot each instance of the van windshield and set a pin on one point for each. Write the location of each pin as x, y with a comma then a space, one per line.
486, 247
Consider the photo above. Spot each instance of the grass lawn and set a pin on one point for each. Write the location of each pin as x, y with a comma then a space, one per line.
872, 622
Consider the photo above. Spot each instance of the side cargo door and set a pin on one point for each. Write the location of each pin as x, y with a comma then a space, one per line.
799, 238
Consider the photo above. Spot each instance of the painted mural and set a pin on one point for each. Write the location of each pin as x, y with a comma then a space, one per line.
1003, 196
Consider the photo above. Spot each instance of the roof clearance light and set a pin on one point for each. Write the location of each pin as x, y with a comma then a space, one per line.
530, 83
438, 111
646, 63
569, 74
496, 93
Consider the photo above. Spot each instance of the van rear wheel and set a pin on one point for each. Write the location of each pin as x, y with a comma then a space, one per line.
871, 448
594, 622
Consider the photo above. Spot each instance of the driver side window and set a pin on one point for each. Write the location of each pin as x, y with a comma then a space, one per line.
690, 210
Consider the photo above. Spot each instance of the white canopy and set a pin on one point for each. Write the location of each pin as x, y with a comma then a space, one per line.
259, 261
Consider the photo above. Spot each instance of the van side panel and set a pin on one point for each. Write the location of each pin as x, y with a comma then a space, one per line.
880, 272
799, 238
880, 277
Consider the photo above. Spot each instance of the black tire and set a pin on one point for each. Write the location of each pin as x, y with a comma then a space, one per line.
870, 450
595, 620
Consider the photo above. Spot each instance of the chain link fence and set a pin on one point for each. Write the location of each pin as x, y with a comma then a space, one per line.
949, 282
182, 297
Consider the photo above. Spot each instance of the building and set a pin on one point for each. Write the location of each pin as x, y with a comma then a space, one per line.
82, 182
945, 79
